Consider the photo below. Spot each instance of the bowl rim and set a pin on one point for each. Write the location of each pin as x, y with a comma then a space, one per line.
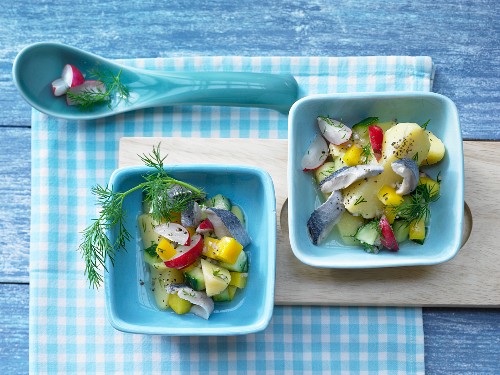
303, 255
261, 322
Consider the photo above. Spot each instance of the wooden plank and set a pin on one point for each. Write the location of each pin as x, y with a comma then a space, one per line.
286, 28
14, 299
464, 281
15, 190
461, 341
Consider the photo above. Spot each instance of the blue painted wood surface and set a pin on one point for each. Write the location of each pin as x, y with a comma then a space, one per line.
462, 37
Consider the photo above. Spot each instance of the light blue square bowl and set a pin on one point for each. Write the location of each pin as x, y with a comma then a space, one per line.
445, 234
131, 306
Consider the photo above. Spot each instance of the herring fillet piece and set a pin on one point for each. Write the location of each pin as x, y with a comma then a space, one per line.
191, 215
323, 219
346, 176
408, 169
202, 304
227, 224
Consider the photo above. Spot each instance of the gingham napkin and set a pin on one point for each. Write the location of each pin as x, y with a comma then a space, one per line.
69, 331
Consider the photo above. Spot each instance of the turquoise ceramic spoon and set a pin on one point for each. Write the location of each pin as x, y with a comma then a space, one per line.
37, 65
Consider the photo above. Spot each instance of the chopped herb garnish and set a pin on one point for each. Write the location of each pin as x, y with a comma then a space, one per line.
417, 207
219, 274
424, 125
360, 200
151, 251
190, 294
88, 98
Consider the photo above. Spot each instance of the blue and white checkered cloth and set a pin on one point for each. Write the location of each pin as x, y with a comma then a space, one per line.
69, 332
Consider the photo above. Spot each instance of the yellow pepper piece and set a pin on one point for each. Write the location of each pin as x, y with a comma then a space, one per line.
179, 305
210, 247
390, 214
431, 184
228, 250
353, 155
238, 279
165, 250
417, 230
388, 196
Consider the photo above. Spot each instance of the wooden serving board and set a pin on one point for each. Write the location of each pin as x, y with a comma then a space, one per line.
470, 279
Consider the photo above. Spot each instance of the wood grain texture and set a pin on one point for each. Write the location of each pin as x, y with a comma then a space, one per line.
461, 341
14, 300
461, 37
464, 281
15, 190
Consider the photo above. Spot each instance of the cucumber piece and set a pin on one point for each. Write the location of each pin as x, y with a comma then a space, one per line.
401, 230
223, 296
232, 291
194, 278
236, 210
241, 264
386, 125
154, 261
348, 226
219, 201
360, 130
369, 236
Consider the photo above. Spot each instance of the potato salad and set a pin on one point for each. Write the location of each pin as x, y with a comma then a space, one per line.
197, 256
373, 182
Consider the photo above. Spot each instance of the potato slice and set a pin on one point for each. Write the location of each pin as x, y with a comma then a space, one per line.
405, 140
436, 151
361, 197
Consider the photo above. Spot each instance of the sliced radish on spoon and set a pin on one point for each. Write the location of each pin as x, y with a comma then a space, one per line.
316, 154
59, 87
333, 130
72, 76
173, 232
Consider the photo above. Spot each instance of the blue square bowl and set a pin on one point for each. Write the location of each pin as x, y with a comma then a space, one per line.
131, 306
444, 239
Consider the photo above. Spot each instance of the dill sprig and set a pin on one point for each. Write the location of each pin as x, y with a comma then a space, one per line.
96, 245
417, 207
113, 87
366, 152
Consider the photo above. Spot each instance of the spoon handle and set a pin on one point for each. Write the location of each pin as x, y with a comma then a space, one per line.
242, 89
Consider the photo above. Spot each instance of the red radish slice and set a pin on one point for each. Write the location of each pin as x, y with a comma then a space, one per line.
186, 255
72, 76
173, 232
387, 239
334, 131
376, 135
205, 226
89, 86
316, 154
59, 87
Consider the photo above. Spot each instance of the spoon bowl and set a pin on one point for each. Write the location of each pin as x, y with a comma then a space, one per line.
37, 65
